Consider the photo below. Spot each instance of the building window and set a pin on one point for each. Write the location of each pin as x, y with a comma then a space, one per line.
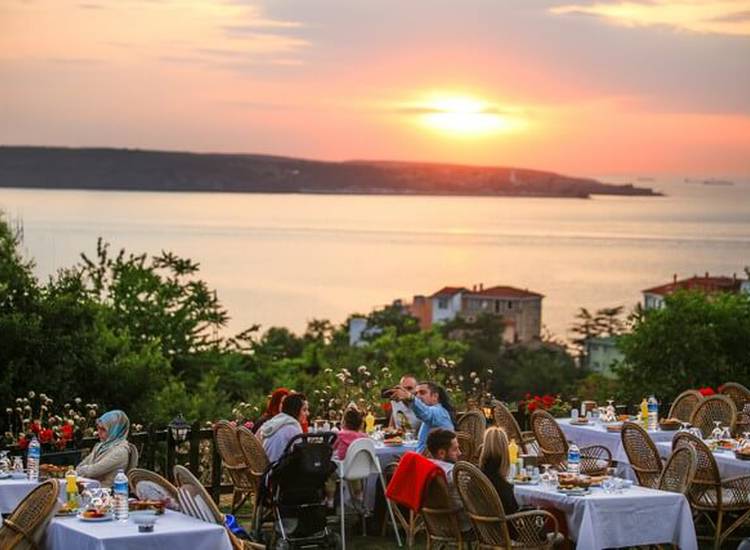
497, 306
510, 305
442, 303
485, 304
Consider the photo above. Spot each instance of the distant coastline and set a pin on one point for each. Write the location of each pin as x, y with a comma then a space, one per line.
105, 169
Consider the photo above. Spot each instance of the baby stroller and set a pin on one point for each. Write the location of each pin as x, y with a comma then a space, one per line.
292, 494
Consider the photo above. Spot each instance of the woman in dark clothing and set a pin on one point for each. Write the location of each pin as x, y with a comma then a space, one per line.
494, 463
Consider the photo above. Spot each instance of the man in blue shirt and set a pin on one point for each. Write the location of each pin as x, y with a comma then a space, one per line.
431, 405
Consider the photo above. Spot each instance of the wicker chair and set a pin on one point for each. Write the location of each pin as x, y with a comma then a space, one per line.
712, 409
24, 528
553, 446
253, 452
504, 419
740, 395
491, 525
642, 454
679, 471
467, 446
190, 487
709, 495
233, 461
440, 516
145, 484
683, 407
410, 521
473, 423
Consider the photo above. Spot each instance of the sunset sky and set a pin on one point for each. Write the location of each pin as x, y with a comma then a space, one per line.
590, 87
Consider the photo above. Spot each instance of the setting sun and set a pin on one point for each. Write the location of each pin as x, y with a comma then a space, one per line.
465, 116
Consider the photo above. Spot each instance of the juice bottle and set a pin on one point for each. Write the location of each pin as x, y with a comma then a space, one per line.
644, 413
513, 451
369, 422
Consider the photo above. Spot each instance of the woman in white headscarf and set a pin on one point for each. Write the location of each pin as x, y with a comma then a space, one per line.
112, 453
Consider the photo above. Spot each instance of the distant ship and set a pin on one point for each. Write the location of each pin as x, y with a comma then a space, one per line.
711, 181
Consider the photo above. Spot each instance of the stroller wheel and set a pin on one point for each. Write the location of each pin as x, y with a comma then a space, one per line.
282, 544
333, 540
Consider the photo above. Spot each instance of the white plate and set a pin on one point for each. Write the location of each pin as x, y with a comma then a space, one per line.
106, 517
19, 475
574, 492
6, 475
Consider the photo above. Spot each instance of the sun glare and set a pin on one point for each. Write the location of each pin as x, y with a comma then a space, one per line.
464, 116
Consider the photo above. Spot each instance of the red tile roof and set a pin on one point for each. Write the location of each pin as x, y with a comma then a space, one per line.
505, 292
448, 291
705, 284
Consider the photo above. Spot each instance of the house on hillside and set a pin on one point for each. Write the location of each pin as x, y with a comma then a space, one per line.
521, 310
653, 298
601, 352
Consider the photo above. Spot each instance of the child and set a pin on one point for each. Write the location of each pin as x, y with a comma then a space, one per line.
351, 424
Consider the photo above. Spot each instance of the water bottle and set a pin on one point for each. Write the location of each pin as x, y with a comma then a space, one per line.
574, 459
653, 413
33, 456
120, 489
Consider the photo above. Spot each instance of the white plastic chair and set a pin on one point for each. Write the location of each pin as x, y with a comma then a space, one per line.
359, 463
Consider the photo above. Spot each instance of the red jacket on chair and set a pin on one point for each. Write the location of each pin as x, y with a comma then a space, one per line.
409, 480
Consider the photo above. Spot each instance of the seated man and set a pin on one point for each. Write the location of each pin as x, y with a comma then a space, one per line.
443, 447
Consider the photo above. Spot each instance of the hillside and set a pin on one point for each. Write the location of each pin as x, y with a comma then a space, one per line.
139, 170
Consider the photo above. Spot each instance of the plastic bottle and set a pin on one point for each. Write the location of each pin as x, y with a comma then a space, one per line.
33, 457
513, 451
120, 489
574, 458
71, 489
653, 413
369, 422
644, 413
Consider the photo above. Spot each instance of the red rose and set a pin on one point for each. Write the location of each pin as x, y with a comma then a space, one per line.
532, 406
45, 435
23, 443
386, 407
35, 427
67, 431
707, 391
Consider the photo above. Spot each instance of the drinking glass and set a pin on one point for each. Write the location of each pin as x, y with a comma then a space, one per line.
545, 477
726, 433
684, 426
18, 464
716, 432
4, 462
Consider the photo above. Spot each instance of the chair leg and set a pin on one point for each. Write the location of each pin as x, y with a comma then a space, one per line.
390, 512
343, 519
717, 537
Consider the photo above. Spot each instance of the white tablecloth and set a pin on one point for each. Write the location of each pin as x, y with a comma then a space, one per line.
729, 465
386, 455
172, 530
597, 434
638, 516
12, 491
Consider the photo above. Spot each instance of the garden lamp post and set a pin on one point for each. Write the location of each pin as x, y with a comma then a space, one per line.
179, 428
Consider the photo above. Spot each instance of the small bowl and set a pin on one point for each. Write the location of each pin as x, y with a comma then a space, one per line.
145, 523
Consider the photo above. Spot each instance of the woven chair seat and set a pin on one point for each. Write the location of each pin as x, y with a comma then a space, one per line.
731, 498
553, 539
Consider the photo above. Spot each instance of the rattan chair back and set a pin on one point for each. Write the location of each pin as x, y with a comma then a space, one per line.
642, 454
439, 514
26, 524
679, 471
253, 452
712, 409
190, 485
473, 423
504, 420
684, 405
552, 443
740, 395
706, 485
482, 505
232, 457
466, 444
146, 485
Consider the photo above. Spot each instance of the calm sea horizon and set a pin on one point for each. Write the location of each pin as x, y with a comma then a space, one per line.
281, 260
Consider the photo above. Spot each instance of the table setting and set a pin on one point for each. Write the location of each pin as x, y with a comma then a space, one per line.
609, 511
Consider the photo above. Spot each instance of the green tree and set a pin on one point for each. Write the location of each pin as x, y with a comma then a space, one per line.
695, 340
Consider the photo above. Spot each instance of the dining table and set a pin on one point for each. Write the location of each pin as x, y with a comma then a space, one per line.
171, 530
633, 517
13, 489
729, 465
